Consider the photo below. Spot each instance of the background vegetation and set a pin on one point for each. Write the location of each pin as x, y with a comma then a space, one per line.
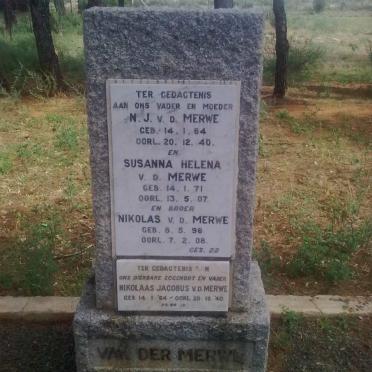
328, 46
313, 215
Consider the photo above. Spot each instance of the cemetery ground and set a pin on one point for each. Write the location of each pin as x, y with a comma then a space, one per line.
313, 221
313, 215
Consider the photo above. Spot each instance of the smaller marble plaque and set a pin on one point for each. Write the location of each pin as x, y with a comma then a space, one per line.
172, 285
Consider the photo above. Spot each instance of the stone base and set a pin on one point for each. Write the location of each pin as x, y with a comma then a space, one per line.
108, 341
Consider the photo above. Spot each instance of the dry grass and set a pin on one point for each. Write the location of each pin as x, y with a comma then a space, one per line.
315, 168
45, 143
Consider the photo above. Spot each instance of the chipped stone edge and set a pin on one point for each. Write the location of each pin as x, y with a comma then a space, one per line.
321, 305
63, 308
37, 308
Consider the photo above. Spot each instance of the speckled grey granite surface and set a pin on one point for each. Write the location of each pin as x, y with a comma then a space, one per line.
173, 44
242, 336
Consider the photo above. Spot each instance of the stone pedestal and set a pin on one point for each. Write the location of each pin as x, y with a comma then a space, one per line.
108, 341
202, 63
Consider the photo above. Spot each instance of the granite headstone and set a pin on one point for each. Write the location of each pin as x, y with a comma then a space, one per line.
173, 102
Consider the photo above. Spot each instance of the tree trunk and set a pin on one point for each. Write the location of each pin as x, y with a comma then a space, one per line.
60, 7
121, 2
44, 42
81, 6
281, 48
218, 4
9, 15
4, 84
92, 3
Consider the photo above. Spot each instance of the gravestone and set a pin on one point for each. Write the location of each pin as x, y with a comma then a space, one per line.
173, 102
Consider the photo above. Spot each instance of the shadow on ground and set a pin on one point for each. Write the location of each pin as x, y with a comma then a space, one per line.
28, 347
297, 344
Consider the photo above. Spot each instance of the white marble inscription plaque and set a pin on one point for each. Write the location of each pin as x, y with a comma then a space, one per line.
173, 155
172, 285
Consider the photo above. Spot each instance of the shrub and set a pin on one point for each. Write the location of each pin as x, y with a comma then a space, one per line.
34, 83
268, 261
302, 61
319, 5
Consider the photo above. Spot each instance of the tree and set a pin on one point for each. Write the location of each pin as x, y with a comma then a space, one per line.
218, 4
4, 83
9, 15
281, 48
319, 5
60, 7
81, 6
121, 2
48, 58
92, 3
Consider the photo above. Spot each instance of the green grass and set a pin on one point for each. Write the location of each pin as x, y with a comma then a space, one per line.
290, 324
355, 75
71, 189
291, 321
67, 138
30, 259
305, 124
34, 262
29, 151
323, 252
326, 253
68, 133
5, 163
